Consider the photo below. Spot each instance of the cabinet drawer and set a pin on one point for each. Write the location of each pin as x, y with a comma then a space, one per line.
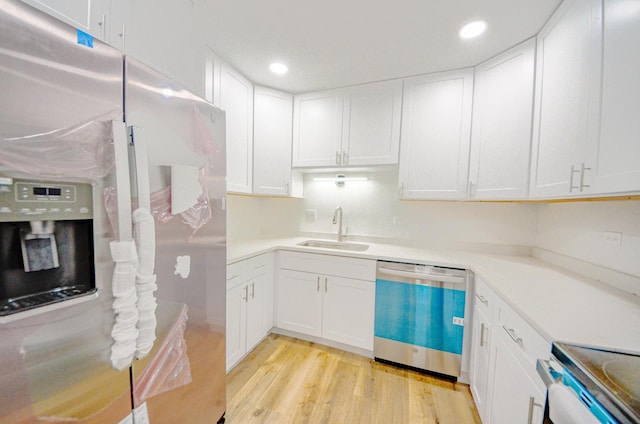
259, 265
361, 269
484, 299
236, 274
522, 338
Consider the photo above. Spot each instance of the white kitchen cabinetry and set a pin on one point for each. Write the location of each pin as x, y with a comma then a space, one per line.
327, 296
566, 118
615, 159
517, 398
236, 99
504, 382
481, 347
250, 293
436, 131
354, 126
272, 138
501, 128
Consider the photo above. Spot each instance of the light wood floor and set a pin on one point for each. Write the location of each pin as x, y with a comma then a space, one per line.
285, 380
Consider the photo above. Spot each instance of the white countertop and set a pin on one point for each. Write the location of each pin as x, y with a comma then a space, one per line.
561, 305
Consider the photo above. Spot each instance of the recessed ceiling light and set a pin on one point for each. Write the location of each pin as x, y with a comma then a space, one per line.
278, 68
473, 29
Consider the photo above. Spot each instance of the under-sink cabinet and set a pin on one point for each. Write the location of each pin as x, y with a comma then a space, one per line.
328, 297
250, 294
504, 382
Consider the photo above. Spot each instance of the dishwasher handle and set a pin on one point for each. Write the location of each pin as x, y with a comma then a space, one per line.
422, 276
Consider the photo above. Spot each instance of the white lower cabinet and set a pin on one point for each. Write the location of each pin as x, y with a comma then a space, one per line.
504, 382
328, 297
250, 287
516, 397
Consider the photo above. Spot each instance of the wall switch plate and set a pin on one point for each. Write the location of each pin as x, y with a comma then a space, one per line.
613, 238
311, 215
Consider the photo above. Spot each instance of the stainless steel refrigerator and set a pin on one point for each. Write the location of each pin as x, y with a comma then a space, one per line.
112, 234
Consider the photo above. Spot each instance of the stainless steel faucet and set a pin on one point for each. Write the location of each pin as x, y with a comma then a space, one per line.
337, 218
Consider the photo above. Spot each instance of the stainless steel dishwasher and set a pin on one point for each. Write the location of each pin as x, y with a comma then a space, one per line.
419, 316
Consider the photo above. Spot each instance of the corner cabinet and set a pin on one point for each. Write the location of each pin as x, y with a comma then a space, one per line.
272, 132
436, 131
566, 119
501, 128
324, 296
354, 126
250, 312
236, 99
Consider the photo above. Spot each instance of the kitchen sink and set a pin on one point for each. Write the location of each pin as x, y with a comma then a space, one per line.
339, 245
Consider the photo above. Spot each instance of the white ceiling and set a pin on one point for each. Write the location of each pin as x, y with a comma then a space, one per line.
336, 43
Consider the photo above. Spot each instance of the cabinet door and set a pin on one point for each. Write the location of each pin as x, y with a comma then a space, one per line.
371, 123
317, 129
480, 350
516, 398
255, 311
614, 161
86, 15
236, 324
236, 99
348, 311
272, 138
501, 131
436, 130
567, 98
300, 302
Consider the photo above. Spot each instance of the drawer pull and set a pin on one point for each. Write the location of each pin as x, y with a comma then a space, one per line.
253, 290
232, 277
512, 333
246, 294
482, 327
260, 266
325, 284
482, 299
318, 286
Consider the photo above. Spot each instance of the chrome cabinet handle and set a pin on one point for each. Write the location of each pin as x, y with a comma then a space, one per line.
472, 189
482, 299
582, 184
512, 333
482, 327
532, 404
345, 157
246, 294
253, 290
259, 266
338, 158
325, 284
318, 285
232, 277
571, 186
103, 26
286, 188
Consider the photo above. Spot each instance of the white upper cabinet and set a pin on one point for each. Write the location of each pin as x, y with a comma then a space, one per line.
615, 159
501, 128
89, 16
272, 138
567, 108
371, 124
354, 126
317, 129
436, 127
236, 99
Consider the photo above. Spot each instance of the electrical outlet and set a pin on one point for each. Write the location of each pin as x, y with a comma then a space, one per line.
613, 238
458, 321
312, 215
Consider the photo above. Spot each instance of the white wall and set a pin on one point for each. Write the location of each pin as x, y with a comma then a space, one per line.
259, 217
578, 230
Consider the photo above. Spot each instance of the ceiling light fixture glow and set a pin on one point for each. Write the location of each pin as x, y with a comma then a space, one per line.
473, 29
278, 68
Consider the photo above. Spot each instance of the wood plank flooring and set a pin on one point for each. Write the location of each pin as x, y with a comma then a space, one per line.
285, 380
